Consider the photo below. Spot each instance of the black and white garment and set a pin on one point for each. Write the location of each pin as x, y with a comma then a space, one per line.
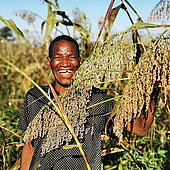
69, 159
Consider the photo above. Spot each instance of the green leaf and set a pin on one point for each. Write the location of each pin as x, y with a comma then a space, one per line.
120, 167
144, 24
145, 138
70, 146
116, 107
162, 152
51, 21
11, 25
141, 25
37, 164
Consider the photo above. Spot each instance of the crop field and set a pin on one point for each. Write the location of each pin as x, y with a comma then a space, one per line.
133, 68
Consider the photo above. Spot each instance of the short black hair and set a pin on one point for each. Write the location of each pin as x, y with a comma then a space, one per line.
66, 38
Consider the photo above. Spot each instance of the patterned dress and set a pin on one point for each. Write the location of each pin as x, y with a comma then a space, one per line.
69, 159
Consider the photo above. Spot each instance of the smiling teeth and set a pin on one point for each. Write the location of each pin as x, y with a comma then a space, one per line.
65, 71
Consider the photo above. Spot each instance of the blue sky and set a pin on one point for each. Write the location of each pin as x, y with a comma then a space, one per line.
94, 9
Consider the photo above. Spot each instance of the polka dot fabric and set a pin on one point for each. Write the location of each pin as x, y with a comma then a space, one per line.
68, 159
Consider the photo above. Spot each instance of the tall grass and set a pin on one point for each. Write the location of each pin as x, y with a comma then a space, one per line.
141, 154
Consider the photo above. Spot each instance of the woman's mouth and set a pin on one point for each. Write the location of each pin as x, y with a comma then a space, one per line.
65, 72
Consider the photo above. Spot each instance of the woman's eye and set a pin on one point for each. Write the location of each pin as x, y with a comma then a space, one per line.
72, 56
56, 57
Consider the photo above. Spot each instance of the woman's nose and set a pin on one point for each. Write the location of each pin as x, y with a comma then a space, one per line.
65, 62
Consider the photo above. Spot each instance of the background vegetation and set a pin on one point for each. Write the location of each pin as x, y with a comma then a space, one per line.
151, 152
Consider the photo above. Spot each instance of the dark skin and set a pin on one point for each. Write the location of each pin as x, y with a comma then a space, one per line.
26, 155
140, 126
64, 64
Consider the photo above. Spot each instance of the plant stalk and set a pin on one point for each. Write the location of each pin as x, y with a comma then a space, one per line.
105, 19
3, 148
62, 112
11, 132
64, 117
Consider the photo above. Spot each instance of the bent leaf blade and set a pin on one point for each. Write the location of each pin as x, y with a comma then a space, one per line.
11, 25
51, 21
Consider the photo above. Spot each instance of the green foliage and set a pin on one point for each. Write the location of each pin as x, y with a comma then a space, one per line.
150, 152
13, 87
143, 153
11, 25
6, 33
9, 118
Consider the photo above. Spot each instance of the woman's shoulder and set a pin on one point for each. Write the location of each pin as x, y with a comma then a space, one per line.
37, 90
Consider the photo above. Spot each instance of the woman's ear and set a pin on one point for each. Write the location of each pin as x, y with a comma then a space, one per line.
48, 62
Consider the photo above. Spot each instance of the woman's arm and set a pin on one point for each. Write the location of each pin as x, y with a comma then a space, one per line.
141, 125
26, 155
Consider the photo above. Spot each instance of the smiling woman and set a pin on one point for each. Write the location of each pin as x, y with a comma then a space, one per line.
63, 63
47, 127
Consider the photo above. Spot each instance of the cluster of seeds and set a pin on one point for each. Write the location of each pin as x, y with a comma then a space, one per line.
151, 72
49, 124
161, 12
28, 16
106, 64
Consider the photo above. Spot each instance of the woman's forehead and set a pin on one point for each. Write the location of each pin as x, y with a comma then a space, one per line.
64, 46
